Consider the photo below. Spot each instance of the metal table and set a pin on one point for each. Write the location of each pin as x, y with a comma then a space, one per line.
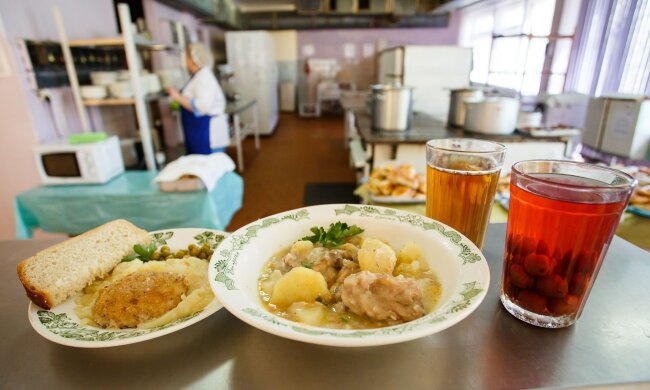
489, 349
424, 127
409, 146
235, 108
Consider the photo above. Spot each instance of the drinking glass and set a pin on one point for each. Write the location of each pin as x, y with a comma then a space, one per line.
462, 176
561, 220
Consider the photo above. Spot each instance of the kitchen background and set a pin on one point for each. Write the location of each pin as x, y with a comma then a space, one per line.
527, 48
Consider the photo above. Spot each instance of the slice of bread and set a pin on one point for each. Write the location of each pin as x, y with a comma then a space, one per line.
60, 271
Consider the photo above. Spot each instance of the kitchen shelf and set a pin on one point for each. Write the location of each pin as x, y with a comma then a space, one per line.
115, 41
121, 101
109, 102
133, 46
119, 41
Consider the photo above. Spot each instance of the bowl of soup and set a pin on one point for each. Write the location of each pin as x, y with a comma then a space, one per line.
349, 275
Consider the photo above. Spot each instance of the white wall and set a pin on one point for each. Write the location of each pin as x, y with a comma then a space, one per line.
285, 44
17, 167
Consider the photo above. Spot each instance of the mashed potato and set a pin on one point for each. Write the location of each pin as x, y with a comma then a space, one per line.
199, 293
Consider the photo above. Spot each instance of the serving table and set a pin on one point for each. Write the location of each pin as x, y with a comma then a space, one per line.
610, 344
133, 196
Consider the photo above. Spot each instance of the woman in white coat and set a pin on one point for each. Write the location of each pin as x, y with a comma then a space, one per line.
203, 104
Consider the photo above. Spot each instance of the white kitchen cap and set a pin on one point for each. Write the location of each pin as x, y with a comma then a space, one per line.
200, 54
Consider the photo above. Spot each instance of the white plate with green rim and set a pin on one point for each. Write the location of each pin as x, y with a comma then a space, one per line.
417, 199
460, 266
62, 326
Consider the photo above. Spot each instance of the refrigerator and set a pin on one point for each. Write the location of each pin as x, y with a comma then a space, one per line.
251, 57
432, 70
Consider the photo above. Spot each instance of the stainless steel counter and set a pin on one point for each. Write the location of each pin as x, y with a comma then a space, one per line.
489, 349
424, 128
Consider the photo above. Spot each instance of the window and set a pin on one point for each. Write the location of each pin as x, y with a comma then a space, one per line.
519, 44
613, 53
636, 71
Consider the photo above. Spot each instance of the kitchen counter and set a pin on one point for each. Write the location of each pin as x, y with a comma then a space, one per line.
409, 146
489, 349
425, 128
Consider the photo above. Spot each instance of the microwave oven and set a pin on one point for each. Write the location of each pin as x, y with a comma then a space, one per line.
89, 163
619, 125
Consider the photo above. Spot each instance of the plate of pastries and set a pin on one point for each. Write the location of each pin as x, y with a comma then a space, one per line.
397, 184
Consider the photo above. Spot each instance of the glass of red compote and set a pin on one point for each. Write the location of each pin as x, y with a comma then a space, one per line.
562, 217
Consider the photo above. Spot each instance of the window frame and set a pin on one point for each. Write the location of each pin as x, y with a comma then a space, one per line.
553, 37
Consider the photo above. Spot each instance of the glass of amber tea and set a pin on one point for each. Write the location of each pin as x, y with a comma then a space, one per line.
462, 176
562, 217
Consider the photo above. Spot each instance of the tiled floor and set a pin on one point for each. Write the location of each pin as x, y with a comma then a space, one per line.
300, 151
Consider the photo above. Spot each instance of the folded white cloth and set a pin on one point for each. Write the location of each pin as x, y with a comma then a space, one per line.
208, 168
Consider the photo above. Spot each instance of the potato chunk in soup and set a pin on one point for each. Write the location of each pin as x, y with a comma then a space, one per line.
299, 285
376, 256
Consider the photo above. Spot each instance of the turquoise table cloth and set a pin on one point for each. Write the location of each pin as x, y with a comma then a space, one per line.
131, 196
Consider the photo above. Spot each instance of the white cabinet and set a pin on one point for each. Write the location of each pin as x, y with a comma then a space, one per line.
627, 128
619, 125
593, 132
251, 57
391, 64
288, 96
431, 70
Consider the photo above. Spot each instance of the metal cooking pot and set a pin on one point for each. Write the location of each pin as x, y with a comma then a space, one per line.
457, 104
494, 115
391, 107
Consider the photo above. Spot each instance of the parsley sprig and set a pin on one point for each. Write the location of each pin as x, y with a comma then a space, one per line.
141, 252
334, 236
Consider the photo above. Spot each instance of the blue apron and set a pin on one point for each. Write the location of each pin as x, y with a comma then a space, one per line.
197, 131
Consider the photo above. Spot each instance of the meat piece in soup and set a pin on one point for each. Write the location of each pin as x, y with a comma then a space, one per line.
355, 283
348, 268
327, 262
383, 296
294, 257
